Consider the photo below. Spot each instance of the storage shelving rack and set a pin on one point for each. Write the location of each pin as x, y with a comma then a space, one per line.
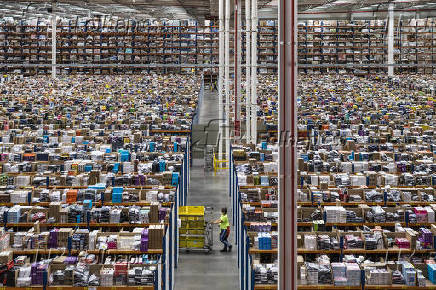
145, 42
267, 46
248, 254
97, 43
341, 42
414, 44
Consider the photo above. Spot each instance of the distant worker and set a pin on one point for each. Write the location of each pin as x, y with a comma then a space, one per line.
223, 221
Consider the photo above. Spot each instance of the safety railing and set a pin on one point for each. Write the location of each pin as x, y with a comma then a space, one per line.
219, 164
196, 114
246, 272
199, 103
170, 256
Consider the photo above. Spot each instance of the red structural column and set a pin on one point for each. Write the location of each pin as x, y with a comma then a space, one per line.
287, 139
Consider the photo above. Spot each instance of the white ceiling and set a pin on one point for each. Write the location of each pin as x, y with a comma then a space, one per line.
207, 9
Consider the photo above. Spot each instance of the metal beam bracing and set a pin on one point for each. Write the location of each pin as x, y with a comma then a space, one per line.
53, 40
227, 76
253, 93
124, 65
157, 65
221, 78
391, 40
238, 71
248, 71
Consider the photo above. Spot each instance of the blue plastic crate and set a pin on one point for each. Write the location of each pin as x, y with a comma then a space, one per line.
98, 186
264, 145
87, 203
162, 165
125, 157
117, 190
262, 156
431, 269
116, 168
175, 178
117, 197
152, 146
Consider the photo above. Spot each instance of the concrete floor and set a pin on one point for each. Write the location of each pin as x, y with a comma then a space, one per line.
214, 271
209, 107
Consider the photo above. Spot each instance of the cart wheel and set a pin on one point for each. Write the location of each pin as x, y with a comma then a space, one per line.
209, 250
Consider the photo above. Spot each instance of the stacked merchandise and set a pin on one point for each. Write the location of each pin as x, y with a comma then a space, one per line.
266, 241
140, 276
373, 156
335, 214
375, 276
325, 242
365, 149
80, 176
353, 242
265, 273
346, 274
319, 272
425, 239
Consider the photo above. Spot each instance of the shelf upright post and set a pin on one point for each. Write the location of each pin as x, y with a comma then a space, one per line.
337, 45
369, 44
227, 78
305, 41
39, 47
400, 24
254, 24
354, 45
22, 33
248, 71
288, 69
132, 49
416, 45
323, 43
196, 44
148, 46
53, 40
180, 45
237, 79
220, 78
275, 43
391, 40
432, 46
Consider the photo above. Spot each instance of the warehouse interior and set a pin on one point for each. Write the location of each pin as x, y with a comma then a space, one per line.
222, 144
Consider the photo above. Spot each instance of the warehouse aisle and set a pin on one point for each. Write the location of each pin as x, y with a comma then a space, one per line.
217, 271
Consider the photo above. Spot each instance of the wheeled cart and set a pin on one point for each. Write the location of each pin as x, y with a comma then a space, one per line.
208, 240
195, 233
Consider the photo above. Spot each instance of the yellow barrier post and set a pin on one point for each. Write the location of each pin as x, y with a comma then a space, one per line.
217, 164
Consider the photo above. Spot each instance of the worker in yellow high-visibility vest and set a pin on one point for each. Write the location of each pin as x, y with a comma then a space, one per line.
223, 221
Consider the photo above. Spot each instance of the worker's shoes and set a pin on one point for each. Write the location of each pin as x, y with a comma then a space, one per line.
223, 250
230, 248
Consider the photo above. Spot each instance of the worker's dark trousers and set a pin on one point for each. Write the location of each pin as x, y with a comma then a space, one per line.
223, 238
